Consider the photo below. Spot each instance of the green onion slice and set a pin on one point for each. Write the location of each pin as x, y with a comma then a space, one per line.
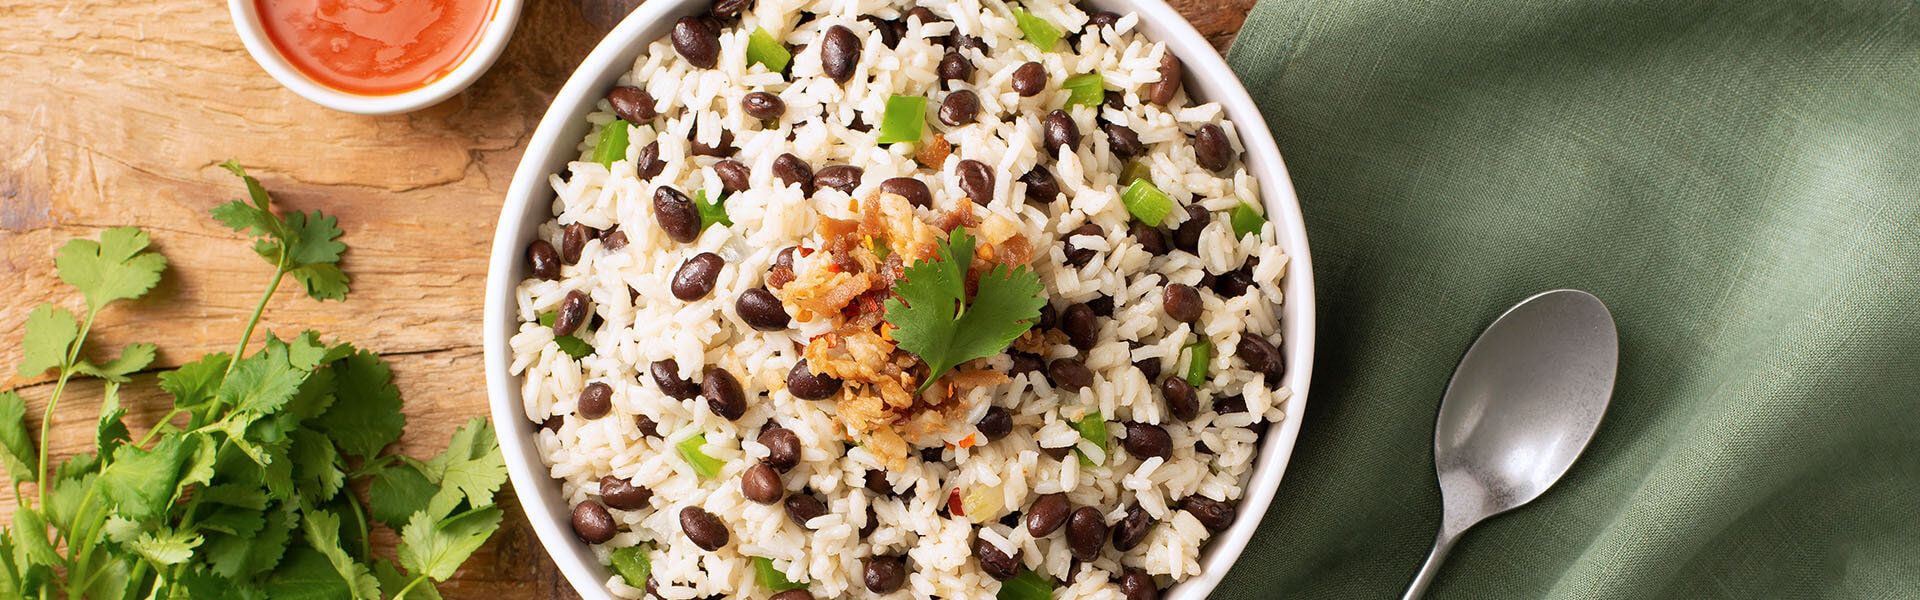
1093, 427
904, 118
1202, 348
612, 145
631, 564
1246, 220
711, 213
1146, 202
763, 49
771, 578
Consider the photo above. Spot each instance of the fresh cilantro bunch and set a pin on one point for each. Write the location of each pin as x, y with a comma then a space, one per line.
252, 497
934, 319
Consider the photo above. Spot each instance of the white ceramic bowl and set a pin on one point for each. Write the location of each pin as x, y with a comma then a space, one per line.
529, 202
493, 38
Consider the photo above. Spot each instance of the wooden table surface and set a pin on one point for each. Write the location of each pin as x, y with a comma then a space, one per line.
118, 112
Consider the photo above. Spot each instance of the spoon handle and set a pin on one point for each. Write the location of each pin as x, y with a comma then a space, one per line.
1442, 544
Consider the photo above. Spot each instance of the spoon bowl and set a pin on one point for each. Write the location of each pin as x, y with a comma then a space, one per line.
1522, 405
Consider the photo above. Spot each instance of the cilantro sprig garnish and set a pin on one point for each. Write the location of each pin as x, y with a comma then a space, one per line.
934, 319
251, 497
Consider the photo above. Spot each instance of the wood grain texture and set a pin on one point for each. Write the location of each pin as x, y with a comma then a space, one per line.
118, 112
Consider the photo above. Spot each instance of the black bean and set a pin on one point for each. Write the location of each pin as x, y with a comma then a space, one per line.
955, 67
666, 375
801, 595
885, 574
632, 104
696, 42
889, 30
960, 108
1150, 367
596, 400
1048, 513
1144, 440
792, 170
913, 190
783, 448
1136, 584
1114, 99
1211, 148
972, 42
839, 53
574, 238
1170, 72
840, 177
1228, 405
925, 15
1025, 363
1232, 283
763, 106
1181, 398
1056, 453
622, 494
1086, 530
676, 214
1124, 142
1068, 374
1060, 133
734, 175
877, 483
592, 523
614, 241
696, 277
1262, 357
649, 164
784, 258
729, 8
1102, 18
724, 148
573, 314
1101, 306
1077, 256
707, 531
1081, 327
723, 394
1049, 318
1214, 514
553, 422
1149, 237
761, 310
1030, 79
544, 261
804, 384
760, 483
931, 454
1132, 529
1181, 302
1187, 236
645, 425
996, 424
804, 507
976, 179
1041, 185
998, 565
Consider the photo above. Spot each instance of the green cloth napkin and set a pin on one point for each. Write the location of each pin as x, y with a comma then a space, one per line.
1739, 182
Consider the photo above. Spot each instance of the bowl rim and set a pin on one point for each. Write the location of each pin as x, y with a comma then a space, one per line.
494, 35
555, 141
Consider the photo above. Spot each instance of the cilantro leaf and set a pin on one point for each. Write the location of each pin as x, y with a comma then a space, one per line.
401, 490
50, 335
471, 469
194, 384
391, 578
166, 547
317, 467
365, 416
31, 541
242, 557
322, 529
132, 359
314, 239
115, 268
934, 320
140, 482
258, 384
111, 432
302, 243
306, 574
20, 454
436, 549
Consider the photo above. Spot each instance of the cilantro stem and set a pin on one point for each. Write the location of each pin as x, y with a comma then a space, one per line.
157, 425
359, 519
403, 591
279, 270
46, 420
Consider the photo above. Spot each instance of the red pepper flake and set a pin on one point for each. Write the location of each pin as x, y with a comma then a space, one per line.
805, 252
954, 505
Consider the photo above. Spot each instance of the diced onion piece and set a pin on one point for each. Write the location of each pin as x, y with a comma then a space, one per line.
1146, 202
903, 120
613, 143
763, 49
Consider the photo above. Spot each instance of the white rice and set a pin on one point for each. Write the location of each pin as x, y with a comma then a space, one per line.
639, 321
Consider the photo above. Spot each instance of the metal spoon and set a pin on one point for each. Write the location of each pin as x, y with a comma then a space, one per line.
1522, 405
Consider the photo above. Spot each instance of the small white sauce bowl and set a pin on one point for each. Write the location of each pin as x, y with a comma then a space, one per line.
493, 38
